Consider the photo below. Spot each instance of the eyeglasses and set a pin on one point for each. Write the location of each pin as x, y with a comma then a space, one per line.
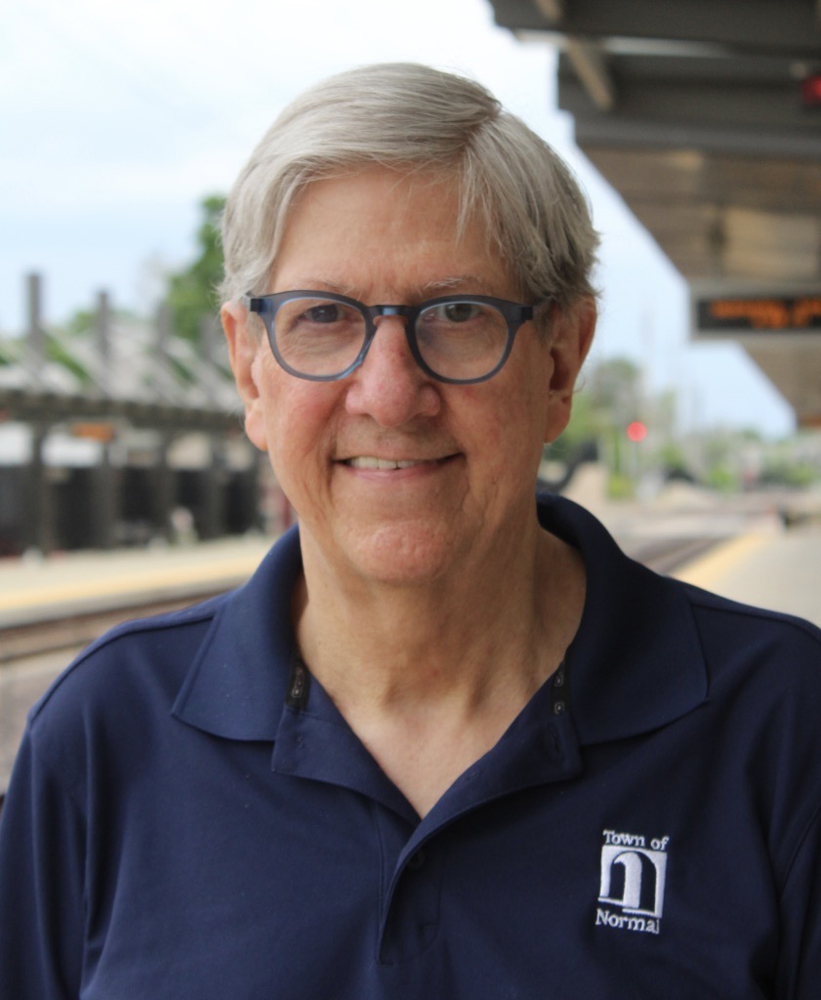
320, 336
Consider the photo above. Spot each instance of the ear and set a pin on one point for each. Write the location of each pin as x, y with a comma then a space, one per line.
243, 348
570, 339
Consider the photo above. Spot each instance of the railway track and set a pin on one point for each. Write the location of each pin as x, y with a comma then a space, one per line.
50, 634
34, 653
665, 555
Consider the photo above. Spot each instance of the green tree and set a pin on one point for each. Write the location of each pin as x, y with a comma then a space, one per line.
192, 292
614, 386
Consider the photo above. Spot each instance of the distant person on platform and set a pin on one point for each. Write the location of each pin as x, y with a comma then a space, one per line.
448, 743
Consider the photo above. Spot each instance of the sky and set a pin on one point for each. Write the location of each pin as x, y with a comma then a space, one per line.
117, 118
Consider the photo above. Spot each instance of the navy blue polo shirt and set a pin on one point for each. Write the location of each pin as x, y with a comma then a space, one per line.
191, 817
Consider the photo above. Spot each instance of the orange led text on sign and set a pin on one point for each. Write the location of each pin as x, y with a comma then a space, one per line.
93, 431
769, 314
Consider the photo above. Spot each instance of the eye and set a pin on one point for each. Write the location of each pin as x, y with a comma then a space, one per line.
456, 312
325, 312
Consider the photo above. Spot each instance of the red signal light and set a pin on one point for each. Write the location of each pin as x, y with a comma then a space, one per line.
636, 431
811, 91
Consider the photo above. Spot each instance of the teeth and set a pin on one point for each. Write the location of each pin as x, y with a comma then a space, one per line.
368, 462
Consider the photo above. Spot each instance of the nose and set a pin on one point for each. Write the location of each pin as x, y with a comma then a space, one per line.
389, 385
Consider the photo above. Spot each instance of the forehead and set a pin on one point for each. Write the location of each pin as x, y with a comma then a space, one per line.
385, 229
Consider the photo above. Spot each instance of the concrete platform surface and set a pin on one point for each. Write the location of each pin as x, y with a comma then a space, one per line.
89, 581
773, 569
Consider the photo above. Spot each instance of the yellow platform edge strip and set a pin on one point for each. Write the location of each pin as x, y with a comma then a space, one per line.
706, 570
135, 583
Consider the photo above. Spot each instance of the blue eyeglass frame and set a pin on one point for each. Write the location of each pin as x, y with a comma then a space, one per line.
266, 307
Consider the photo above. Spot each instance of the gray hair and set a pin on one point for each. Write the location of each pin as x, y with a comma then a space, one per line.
415, 118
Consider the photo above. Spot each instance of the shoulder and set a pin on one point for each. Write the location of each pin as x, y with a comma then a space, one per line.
215, 666
133, 671
735, 635
764, 698
764, 683
651, 649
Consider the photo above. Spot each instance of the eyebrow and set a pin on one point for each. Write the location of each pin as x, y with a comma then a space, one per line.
429, 289
314, 284
461, 281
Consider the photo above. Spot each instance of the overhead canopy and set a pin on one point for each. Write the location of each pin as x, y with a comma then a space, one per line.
705, 115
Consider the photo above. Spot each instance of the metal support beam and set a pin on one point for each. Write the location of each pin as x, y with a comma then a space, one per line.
589, 62
162, 328
163, 489
210, 339
35, 337
212, 515
624, 132
103, 331
740, 105
30, 407
105, 501
755, 25
37, 507
553, 10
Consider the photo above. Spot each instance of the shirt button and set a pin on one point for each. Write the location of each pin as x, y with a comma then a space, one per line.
415, 861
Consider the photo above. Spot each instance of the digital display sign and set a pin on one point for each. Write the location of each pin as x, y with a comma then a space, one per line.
758, 314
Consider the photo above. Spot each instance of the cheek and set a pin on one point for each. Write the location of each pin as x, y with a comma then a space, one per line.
507, 432
524, 414
298, 419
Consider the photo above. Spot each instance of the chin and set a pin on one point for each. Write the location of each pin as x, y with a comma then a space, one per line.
406, 554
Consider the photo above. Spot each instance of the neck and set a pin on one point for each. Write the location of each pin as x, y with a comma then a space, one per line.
462, 643
430, 677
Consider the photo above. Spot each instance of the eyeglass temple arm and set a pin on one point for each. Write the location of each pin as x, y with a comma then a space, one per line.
253, 303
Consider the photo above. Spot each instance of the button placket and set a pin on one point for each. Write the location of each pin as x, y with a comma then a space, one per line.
411, 920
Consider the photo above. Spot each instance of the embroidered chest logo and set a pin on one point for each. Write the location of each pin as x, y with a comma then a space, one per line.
633, 875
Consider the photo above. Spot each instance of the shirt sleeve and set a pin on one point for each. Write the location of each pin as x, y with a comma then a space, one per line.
42, 847
800, 953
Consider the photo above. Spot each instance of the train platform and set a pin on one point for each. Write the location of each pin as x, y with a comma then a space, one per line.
34, 588
778, 569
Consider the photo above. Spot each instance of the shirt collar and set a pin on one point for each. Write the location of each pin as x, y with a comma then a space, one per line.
238, 681
635, 664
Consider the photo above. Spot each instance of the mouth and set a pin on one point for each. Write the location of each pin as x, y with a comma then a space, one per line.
390, 464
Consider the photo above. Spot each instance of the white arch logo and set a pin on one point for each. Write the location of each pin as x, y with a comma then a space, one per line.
632, 878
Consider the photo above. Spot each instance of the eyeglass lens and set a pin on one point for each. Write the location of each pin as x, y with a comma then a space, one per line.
457, 339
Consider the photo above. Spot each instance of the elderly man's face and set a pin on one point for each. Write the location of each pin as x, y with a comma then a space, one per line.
467, 454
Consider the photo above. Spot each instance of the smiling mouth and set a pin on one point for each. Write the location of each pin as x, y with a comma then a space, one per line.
371, 462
